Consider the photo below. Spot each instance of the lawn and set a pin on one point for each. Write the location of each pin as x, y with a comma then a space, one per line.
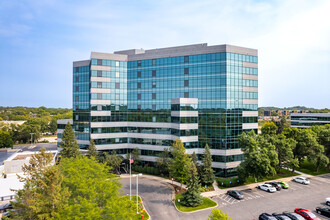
141, 209
207, 203
224, 183
309, 168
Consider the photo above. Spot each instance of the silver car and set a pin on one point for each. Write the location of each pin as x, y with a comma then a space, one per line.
267, 187
302, 180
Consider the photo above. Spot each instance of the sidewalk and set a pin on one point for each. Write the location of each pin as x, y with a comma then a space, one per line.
219, 191
158, 178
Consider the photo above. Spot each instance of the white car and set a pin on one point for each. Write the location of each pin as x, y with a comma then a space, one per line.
267, 187
327, 201
301, 179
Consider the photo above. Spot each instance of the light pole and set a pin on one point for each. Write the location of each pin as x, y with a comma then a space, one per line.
31, 138
137, 191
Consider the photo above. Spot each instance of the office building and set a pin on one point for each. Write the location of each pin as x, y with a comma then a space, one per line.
306, 120
148, 98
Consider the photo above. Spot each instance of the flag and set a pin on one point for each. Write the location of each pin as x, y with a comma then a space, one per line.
131, 160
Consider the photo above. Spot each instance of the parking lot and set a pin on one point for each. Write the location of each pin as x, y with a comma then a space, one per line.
257, 201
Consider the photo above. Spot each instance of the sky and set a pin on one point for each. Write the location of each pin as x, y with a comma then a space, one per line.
39, 40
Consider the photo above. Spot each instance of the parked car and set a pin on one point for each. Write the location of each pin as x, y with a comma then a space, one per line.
266, 216
284, 185
277, 186
236, 194
327, 201
306, 214
293, 216
301, 179
5, 207
281, 216
323, 211
267, 187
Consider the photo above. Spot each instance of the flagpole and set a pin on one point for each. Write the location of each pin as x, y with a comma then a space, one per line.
130, 178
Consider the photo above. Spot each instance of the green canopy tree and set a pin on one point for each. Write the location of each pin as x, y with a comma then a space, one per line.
192, 197
207, 173
136, 156
317, 157
112, 160
323, 134
180, 163
5, 139
98, 196
92, 151
52, 127
217, 214
70, 147
269, 128
163, 162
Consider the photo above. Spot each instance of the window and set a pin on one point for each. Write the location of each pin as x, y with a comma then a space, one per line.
117, 63
117, 85
99, 73
139, 96
186, 59
139, 63
139, 85
139, 107
153, 95
117, 74
99, 95
153, 62
77, 107
77, 118
186, 83
154, 107
139, 74
99, 84
186, 94
99, 108
153, 84
77, 69
99, 62
77, 79
186, 71
77, 88
117, 96
76, 98
117, 108
154, 73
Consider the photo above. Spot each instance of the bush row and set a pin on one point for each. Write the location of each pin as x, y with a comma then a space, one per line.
148, 170
228, 182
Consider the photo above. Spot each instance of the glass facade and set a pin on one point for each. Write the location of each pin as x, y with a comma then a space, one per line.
142, 91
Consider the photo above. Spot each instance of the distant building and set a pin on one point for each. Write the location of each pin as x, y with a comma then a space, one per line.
306, 120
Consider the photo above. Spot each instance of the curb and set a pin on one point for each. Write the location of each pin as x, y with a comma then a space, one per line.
145, 208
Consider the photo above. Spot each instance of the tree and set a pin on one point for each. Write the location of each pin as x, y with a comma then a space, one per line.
92, 151
317, 157
163, 162
43, 195
136, 156
42, 122
53, 125
112, 160
281, 124
306, 140
269, 128
192, 197
97, 196
217, 214
323, 134
207, 175
260, 157
5, 139
25, 130
180, 163
70, 147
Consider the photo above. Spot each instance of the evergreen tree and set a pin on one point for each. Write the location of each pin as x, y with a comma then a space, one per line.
207, 174
180, 163
192, 197
194, 159
92, 151
70, 147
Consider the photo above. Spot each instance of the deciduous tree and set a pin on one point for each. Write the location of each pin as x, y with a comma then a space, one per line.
180, 163
269, 128
217, 214
164, 161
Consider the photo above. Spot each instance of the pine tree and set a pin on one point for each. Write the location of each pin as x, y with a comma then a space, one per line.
193, 196
207, 174
92, 151
179, 167
70, 147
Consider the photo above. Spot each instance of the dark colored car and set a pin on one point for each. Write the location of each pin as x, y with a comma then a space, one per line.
306, 214
281, 216
323, 211
266, 216
293, 216
276, 185
5, 207
236, 194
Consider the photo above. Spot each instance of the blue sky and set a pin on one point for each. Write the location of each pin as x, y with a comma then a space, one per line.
40, 39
